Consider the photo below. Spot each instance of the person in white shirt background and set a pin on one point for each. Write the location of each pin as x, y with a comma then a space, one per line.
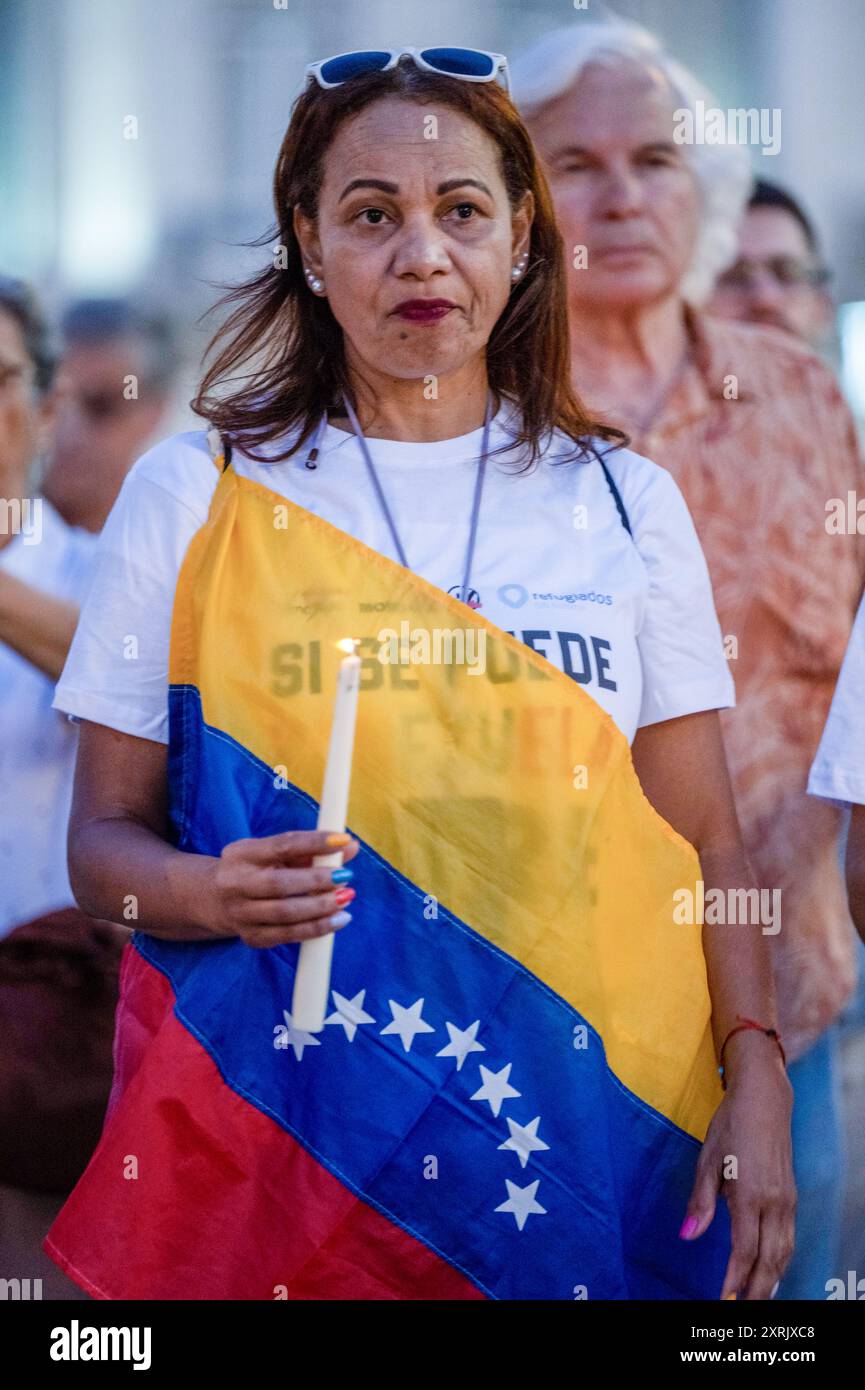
411, 259
838, 770
58, 968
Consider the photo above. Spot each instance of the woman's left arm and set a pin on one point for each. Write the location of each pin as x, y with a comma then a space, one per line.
683, 770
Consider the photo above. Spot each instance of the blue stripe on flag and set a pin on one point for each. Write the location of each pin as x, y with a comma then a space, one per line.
397, 1115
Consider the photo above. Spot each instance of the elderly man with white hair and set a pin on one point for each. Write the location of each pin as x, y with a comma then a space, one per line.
756, 434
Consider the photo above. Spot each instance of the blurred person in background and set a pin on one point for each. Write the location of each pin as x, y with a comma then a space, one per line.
114, 385
755, 432
778, 278
58, 967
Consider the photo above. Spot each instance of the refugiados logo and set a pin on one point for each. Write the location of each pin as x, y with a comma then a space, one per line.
515, 595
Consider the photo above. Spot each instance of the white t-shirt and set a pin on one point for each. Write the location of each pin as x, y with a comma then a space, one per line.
838, 770
37, 745
635, 624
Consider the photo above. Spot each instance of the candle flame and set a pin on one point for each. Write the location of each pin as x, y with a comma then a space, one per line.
349, 644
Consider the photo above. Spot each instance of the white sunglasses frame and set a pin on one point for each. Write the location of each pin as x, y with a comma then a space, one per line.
499, 60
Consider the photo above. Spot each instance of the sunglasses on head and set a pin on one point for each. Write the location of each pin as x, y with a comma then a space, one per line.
468, 64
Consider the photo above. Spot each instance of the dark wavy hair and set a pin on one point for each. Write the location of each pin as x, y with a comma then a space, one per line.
281, 363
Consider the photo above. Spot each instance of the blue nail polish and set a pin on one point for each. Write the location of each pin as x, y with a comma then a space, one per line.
341, 875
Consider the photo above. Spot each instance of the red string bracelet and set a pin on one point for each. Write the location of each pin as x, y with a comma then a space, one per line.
743, 1026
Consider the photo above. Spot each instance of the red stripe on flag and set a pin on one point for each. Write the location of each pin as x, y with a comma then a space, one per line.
225, 1204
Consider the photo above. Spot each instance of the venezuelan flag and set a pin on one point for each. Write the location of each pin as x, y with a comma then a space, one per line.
508, 1096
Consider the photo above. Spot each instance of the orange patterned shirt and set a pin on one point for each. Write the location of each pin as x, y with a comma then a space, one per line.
759, 439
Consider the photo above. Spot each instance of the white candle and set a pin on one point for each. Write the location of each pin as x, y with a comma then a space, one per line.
312, 981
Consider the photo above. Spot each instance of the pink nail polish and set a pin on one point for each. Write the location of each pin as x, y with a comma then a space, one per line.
688, 1227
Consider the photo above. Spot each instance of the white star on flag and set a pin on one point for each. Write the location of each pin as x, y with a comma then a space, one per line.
521, 1202
349, 1012
407, 1022
524, 1139
495, 1088
462, 1042
297, 1038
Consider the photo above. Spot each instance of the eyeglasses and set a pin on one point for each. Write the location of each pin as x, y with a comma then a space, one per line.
468, 64
786, 271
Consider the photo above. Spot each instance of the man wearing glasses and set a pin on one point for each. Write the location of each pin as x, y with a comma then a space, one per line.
114, 389
778, 278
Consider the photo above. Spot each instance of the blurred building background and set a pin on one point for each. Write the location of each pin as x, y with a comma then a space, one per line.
138, 137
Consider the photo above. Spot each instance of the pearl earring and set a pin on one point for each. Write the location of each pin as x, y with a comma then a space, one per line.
520, 266
315, 284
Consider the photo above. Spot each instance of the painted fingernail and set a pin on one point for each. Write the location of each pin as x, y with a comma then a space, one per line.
344, 896
340, 919
337, 840
689, 1226
341, 875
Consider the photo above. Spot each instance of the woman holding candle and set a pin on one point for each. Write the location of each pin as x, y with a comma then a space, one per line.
412, 325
